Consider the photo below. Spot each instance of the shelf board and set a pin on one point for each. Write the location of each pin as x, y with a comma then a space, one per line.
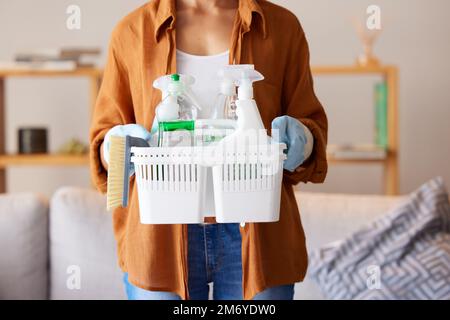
73, 161
83, 160
333, 160
363, 153
97, 72
25, 73
43, 160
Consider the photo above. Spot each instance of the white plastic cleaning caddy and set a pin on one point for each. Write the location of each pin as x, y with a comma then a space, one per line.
247, 185
171, 183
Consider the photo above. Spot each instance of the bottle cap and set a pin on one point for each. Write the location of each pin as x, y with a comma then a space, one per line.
175, 77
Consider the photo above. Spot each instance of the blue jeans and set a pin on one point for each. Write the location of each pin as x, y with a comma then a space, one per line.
214, 255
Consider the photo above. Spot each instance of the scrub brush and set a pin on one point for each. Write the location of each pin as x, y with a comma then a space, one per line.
120, 169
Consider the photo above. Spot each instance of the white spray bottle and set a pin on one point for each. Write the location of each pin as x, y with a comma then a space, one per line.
249, 122
247, 110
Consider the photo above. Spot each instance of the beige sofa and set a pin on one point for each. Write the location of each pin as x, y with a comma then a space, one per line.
65, 249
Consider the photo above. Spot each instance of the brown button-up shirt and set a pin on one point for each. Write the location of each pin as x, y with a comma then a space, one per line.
142, 48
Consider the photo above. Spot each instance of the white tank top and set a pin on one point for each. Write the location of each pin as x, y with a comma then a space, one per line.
204, 70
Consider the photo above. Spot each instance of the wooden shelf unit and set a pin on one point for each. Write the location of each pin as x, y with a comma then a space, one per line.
43, 160
94, 76
390, 163
389, 73
80, 72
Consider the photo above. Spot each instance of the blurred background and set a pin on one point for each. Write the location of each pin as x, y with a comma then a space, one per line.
412, 39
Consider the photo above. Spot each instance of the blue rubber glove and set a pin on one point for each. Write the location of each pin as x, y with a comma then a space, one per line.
134, 130
293, 133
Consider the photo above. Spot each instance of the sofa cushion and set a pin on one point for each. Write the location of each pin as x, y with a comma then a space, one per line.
23, 246
402, 255
82, 247
331, 217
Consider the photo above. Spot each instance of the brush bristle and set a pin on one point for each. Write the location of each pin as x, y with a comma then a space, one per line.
116, 168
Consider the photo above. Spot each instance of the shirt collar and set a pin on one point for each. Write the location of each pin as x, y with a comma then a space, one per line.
166, 11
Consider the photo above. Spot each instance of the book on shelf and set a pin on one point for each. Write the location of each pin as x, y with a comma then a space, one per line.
381, 105
82, 57
65, 53
356, 152
39, 66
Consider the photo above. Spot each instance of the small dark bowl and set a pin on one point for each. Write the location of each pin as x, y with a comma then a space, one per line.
32, 140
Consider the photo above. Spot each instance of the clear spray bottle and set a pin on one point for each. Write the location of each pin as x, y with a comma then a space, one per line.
225, 103
223, 116
174, 123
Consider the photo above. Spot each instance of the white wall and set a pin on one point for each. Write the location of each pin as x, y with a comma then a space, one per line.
415, 38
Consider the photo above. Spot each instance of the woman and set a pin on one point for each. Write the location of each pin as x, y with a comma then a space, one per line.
252, 261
